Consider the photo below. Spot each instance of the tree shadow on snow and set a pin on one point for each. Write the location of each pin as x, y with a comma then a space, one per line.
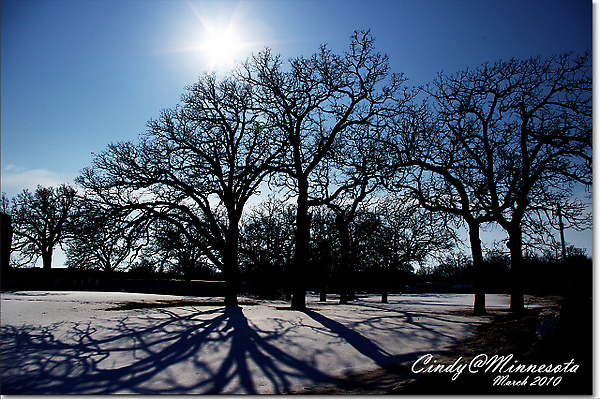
366, 346
168, 355
163, 352
248, 346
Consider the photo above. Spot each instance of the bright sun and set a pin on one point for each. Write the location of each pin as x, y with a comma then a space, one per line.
220, 40
222, 47
220, 37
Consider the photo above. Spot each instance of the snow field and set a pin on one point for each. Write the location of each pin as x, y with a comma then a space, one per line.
69, 343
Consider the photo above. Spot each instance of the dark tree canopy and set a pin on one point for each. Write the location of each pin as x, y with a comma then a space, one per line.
267, 246
173, 253
496, 143
41, 220
196, 168
101, 240
379, 174
434, 169
312, 107
525, 129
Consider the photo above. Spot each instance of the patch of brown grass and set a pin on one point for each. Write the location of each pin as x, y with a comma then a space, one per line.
506, 333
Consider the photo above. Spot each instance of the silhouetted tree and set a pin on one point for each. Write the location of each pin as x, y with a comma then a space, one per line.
543, 222
453, 268
438, 173
267, 246
365, 245
145, 267
41, 221
410, 235
195, 168
525, 129
354, 172
324, 252
176, 254
101, 239
311, 106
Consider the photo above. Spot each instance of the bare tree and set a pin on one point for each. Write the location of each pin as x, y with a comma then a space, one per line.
525, 129
311, 106
267, 246
353, 173
176, 254
437, 172
544, 225
410, 235
41, 221
324, 251
195, 168
100, 239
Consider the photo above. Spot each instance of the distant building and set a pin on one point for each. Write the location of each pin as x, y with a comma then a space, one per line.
6, 240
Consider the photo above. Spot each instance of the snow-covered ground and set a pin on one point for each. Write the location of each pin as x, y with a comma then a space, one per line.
68, 342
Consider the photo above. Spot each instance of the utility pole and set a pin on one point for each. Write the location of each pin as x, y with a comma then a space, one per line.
561, 227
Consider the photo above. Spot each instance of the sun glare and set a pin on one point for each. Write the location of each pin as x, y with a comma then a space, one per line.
221, 40
222, 48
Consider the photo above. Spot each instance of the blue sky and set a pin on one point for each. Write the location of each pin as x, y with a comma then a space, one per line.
77, 75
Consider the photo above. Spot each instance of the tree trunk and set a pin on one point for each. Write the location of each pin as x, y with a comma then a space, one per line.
302, 248
109, 277
323, 293
230, 265
231, 287
47, 259
46, 281
515, 245
344, 261
479, 272
187, 285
